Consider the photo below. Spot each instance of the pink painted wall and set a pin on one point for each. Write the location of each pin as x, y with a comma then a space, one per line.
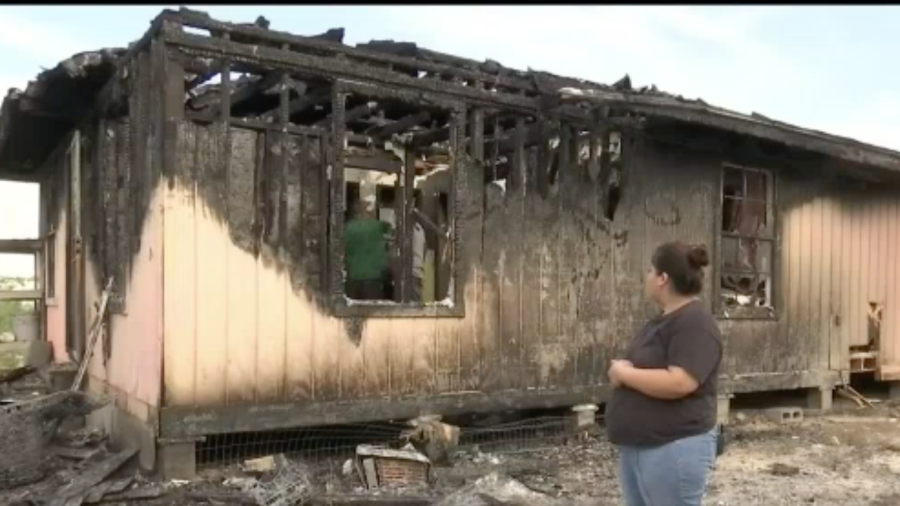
132, 375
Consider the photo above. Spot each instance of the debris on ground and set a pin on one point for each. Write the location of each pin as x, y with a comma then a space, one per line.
289, 485
497, 488
380, 466
433, 438
263, 465
767, 462
80, 487
779, 469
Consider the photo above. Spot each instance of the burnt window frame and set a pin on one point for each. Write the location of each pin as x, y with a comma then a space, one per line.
770, 235
344, 307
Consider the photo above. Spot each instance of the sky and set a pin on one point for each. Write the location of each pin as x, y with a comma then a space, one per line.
829, 68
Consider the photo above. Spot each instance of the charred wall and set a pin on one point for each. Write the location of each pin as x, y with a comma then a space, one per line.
553, 241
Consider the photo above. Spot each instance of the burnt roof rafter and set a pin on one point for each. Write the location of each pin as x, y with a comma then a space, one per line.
404, 69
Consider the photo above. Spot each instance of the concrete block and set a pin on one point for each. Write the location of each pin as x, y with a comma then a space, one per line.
785, 415
723, 408
177, 461
894, 392
585, 415
820, 398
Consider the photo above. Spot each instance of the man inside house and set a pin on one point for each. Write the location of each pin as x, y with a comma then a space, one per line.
366, 252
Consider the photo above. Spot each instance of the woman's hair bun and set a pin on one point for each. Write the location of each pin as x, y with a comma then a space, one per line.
697, 256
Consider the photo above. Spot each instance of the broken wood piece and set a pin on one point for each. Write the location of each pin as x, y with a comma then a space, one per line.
105, 488
70, 453
263, 465
301, 103
400, 125
430, 137
354, 114
246, 91
369, 500
137, 494
847, 395
74, 492
860, 396
221, 497
96, 326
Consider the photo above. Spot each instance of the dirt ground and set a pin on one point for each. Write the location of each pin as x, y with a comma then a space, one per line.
850, 457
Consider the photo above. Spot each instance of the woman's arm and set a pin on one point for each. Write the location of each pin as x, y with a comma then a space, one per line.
671, 383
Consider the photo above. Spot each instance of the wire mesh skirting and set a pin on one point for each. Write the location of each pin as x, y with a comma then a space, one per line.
331, 445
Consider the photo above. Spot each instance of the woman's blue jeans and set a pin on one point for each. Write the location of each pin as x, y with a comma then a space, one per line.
674, 474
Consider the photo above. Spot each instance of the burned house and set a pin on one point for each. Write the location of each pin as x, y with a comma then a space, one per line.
216, 172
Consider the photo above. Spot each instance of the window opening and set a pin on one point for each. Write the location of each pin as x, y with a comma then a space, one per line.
398, 224
747, 243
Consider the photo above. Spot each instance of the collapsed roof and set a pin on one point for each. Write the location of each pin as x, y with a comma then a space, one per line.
33, 121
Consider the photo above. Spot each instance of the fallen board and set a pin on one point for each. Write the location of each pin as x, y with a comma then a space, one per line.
74, 493
97, 493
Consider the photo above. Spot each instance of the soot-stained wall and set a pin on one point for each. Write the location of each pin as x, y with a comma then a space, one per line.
552, 286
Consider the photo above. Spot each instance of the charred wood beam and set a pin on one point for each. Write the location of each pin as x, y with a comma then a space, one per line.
426, 222
533, 135
696, 113
430, 137
247, 91
295, 42
224, 112
400, 125
562, 157
378, 163
301, 103
433, 151
335, 35
335, 68
354, 114
517, 172
254, 124
34, 107
284, 99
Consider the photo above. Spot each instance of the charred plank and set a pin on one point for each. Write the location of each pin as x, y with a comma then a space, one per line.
82, 485
400, 125
266, 84
430, 137
350, 116
301, 103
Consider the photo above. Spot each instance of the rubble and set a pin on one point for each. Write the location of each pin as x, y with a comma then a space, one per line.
433, 438
380, 466
290, 486
262, 465
779, 469
497, 488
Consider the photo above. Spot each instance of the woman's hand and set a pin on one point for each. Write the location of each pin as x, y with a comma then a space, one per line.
615, 371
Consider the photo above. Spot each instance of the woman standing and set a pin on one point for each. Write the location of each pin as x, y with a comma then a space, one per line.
662, 414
